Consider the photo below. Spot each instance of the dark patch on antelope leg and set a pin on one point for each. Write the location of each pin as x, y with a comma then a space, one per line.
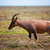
48, 28
29, 35
33, 31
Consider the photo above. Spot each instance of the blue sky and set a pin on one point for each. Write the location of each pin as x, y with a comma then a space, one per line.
24, 2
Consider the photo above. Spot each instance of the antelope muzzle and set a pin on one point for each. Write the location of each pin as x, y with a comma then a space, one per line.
10, 26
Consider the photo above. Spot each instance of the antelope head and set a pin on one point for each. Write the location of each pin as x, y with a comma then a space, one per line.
13, 22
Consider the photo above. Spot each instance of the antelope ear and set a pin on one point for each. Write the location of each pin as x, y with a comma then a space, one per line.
16, 18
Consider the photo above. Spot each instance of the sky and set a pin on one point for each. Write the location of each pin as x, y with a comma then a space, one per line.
24, 2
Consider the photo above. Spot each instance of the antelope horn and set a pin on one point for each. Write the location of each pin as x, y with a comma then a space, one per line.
15, 15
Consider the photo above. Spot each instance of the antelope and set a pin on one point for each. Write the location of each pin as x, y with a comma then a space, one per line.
32, 26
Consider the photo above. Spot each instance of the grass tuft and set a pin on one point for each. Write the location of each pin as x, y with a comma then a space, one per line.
12, 45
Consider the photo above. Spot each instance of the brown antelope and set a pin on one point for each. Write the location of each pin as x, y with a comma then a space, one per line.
32, 26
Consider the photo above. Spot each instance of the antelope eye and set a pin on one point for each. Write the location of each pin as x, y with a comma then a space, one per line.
13, 22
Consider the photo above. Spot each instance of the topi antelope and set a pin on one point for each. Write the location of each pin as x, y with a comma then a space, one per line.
32, 26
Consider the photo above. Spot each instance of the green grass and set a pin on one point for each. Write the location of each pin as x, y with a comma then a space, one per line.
6, 49
48, 37
39, 41
13, 32
12, 45
26, 46
45, 41
20, 46
36, 47
11, 40
49, 40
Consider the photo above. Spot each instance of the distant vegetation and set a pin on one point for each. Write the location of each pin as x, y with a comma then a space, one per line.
6, 13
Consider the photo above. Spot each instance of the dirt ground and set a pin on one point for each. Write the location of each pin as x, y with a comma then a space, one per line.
20, 42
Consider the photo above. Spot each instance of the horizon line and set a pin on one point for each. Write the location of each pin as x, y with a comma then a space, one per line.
24, 5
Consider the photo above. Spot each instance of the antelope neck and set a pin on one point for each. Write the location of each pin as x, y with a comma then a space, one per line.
21, 23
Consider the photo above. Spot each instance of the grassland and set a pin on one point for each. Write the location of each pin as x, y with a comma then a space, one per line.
20, 42
17, 37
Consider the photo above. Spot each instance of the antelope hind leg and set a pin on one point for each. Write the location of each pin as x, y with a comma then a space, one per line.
35, 36
39, 44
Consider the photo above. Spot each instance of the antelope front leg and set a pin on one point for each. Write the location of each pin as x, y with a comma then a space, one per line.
29, 38
29, 41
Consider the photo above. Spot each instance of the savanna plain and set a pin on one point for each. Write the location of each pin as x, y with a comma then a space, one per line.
17, 37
